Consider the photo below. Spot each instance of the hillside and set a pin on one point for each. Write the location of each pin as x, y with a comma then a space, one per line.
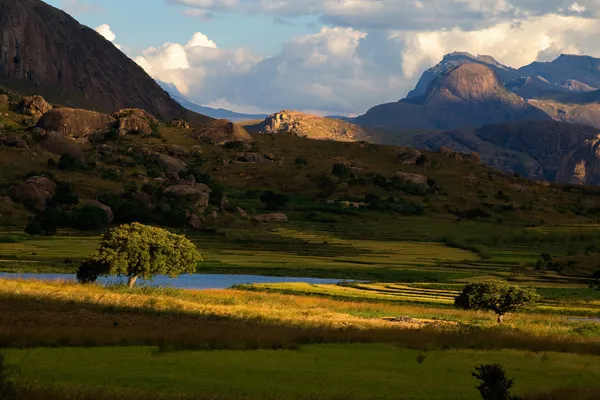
72, 65
468, 95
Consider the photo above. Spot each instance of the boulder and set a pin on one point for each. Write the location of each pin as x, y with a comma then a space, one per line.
13, 141
7, 206
221, 131
197, 195
270, 218
57, 144
408, 156
34, 105
136, 112
4, 102
36, 191
177, 151
134, 125
166, 162
194, 222
225, 206
242, 213
420, 180
180, 123
104, 207
253, 158
74, 122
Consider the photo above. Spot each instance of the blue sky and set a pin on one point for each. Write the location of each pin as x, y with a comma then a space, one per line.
328, 56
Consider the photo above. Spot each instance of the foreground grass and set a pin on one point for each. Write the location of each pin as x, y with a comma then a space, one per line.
65, 314
319, 371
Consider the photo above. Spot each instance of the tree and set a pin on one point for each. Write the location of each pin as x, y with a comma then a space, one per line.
65, 195
495, 295
47, 222
89, 271
273, 201
494, 383
139, 251
89, 218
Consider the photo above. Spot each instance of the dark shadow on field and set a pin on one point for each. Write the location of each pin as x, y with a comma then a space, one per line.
30, 321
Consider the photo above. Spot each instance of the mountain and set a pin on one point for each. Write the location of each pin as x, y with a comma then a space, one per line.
45, 51
217, 113
311, 126
546, 150
470, 94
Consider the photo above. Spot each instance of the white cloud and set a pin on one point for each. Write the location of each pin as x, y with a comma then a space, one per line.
108, 34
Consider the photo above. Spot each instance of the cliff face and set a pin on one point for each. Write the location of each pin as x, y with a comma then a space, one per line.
45, 51
312, 126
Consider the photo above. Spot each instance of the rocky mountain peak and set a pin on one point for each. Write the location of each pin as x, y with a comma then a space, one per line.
45, 51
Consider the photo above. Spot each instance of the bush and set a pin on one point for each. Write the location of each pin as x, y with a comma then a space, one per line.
65, 195
494, 383
238, 145
273, 201
68, 162
89, 272
342, 171
132, 211
89, 218
47, 222
301, 162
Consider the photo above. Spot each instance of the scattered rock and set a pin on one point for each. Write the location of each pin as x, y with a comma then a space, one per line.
180, 123
177, 151
34, 105
197, 195
134, 125
36, 191
221, 131
104, 207
404, 319
172, 176
417, 179
197, 151
268, 218
252, 158
142, 197
136, 112
7, 206
166, 162
74, 122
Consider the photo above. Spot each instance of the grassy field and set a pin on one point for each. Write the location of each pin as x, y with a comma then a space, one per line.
354, 371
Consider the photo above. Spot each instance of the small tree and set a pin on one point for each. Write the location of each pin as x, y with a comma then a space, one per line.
136, 250
494, 383
89, 218
274, 201
47, 222
495, 295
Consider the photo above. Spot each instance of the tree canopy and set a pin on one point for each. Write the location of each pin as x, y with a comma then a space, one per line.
140, 251
495, 295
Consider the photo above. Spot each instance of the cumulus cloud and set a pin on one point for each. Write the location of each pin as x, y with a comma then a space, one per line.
108, 34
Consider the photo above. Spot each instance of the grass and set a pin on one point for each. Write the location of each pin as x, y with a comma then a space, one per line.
317, 371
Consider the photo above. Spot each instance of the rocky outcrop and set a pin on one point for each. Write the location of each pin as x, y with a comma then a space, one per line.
134, 121
103, 207
45, 51
35, 192
408, 156
312, 126
586, 114
34, 105
57, 144
74, 122
221, 131
167, 163
196, 195
177, 151
270, 218
180, 124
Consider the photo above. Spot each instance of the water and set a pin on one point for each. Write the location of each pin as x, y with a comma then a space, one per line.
196, 281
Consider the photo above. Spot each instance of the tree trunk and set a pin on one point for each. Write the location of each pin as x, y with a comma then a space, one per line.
500, 318
131, 281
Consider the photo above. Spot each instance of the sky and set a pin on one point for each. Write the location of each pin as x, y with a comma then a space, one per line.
329, 57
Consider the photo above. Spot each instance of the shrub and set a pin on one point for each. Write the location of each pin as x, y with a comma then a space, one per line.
301, 162
132, 211
68, 162
89, 218
237, 145
341, 171
494, 383
65, 195
273, 201
47, 222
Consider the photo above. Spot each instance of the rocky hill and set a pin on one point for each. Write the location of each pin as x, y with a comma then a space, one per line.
468, 95
45, 51
537, 150
312, 126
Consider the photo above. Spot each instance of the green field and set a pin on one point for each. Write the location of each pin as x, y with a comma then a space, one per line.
319, 371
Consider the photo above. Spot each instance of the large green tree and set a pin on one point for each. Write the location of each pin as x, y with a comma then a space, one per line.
495, 295
140, 251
